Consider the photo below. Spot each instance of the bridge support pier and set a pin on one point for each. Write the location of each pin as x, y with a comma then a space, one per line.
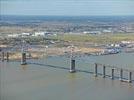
7, 56
104, 71
96, 66
121, 74
112, 76
130, 77
3, 56
23, 59
72, 66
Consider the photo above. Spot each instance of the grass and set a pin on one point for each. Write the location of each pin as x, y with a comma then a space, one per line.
104, 38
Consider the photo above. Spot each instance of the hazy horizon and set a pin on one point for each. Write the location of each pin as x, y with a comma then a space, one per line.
68, 7
71, 15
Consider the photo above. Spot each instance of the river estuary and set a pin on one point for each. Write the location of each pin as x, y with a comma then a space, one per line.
49, 79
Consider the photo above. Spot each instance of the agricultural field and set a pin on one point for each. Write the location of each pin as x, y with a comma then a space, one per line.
104, 38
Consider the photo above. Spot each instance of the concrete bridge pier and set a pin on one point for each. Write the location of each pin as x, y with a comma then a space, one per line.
7, 56
130, 77
121, 74
23, 58
72, 66
3, 56
96, 71
112, 76
104, 71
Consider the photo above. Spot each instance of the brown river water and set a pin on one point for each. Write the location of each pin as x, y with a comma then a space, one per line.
49, 79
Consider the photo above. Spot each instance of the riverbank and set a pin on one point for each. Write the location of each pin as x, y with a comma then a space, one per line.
39, 53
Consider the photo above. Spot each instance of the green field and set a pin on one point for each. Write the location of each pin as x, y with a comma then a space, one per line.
104, 38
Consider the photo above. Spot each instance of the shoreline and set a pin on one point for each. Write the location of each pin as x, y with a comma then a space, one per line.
40, 53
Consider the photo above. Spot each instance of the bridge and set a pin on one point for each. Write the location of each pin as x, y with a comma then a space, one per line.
113, 72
